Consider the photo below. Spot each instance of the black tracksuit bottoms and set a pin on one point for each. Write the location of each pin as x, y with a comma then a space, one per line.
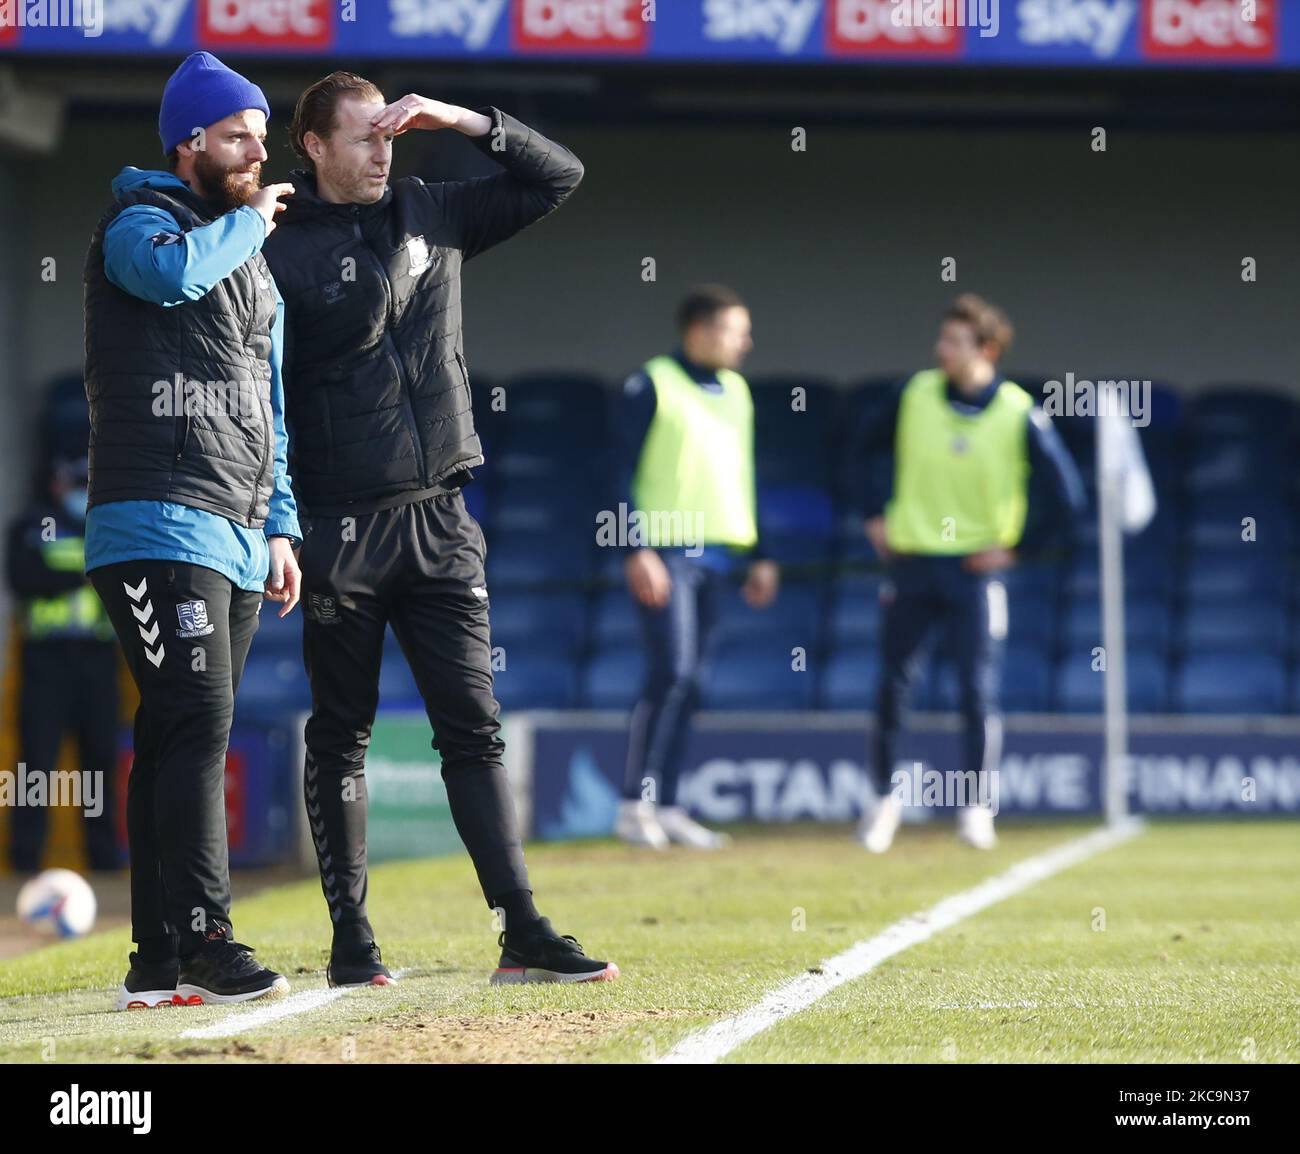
186, 631
420, 567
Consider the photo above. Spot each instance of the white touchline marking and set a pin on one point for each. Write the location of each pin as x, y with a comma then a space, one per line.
718, 1040
242, 1021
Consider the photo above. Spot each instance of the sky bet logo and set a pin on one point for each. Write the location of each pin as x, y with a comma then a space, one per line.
897, 27
1210, 29
785, 23
580, 26
472, 22
1098, 25
307, 24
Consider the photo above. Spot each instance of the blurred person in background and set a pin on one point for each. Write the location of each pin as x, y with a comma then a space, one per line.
191, 519
378, 396
68, 665
970, 454
686, 426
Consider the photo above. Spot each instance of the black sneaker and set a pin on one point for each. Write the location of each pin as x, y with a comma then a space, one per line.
148, 984
537, 953
358, 964
224, 971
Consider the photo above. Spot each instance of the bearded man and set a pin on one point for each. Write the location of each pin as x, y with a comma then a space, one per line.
191, 518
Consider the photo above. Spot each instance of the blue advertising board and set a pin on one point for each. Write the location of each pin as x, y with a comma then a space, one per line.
1249, 34
809, 767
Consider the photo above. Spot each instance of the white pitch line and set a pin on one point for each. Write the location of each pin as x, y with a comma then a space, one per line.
718, 1040
244, 1020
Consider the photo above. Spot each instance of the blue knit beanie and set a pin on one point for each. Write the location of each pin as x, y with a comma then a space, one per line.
201, 92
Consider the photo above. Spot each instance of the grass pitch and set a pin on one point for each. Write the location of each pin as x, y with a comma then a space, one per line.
1181, 945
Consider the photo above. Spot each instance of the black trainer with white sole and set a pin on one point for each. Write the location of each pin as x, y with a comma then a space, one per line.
358, 965
223, 971
536, 953
148, 984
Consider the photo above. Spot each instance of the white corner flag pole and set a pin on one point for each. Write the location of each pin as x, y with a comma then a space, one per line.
1110, 496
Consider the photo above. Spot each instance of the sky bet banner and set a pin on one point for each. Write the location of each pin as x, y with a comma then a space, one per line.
1096, 33
811, 768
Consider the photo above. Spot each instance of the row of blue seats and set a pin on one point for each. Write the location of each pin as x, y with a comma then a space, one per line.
809, 406
1201, 473
1224, 440
817, 619
745, 679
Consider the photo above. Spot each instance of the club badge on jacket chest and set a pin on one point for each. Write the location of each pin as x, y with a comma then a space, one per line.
409, 262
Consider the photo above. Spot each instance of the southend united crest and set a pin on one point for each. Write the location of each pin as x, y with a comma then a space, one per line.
323, 608
193, 616
417, 249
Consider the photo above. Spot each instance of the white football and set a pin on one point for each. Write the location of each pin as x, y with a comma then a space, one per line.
58, 901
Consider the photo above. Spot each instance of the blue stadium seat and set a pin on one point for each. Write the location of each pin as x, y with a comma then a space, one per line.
855, 614
568, 407
1242, 411
278, 636
536, 680
865, 397
397, 687
615, 620
613, 677
519, 559
1025, 683
553, 621
1162, 533
531, 469
1035, 579
1031, 621
477, 503
1146, 573
1026, 678
853, 553
524, 507
850, 678
809, 555
1274, 536
1147, 624
797, 510
1222, 522
756, 673
1230, 683
935, 690
1081, 689
272, 685
1254, 627
1245, 465
796, 615
813, 423
1218, 575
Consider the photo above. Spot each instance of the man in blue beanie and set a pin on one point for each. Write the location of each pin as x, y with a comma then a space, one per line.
191, 518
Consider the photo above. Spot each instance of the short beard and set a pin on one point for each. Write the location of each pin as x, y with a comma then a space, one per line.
217, 183
355, 188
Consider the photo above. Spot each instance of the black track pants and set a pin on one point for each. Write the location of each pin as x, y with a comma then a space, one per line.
420, 567
185, 631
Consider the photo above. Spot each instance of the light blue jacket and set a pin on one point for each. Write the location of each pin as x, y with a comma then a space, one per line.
147, 255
